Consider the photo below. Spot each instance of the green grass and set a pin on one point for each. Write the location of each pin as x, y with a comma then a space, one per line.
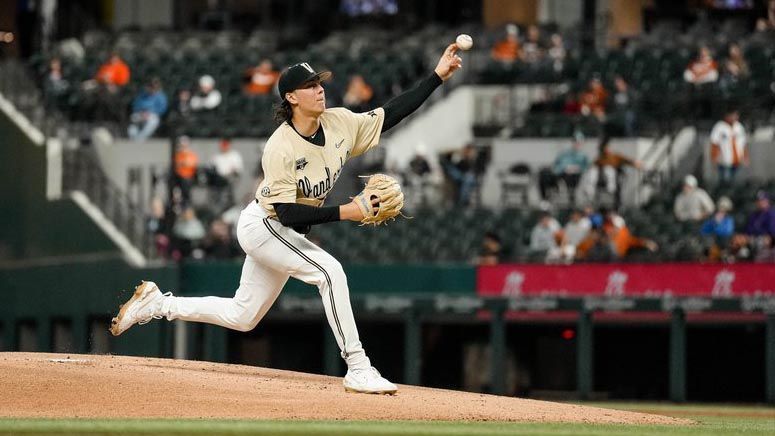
736, 420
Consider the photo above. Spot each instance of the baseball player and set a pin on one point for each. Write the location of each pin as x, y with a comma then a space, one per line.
302, 160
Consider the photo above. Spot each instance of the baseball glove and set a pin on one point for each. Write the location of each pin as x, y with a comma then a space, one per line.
391, 199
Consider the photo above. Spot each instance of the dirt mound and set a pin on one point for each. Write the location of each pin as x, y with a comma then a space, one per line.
69, 386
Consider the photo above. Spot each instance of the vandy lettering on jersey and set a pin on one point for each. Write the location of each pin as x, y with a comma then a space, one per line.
298, 171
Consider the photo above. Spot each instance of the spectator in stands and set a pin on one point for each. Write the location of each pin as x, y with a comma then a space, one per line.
593, 100
765, 253
492, 251
54, 83
719, 228
557, 53
693, 203
543, 237
228, 167
260, 80
463, 168
739, 249
186, 164
147, 109
729, 148
207, 97
575, 231
113, 74
603, 176
761, 222
358, 94
568, 166
624, 100
595, 217
183, 103
623, 242
219, 243
187, 232
421, 181
735, 67
596, 247
507, 50
533, 51
703, 69
101, 98
154, 222
758, 234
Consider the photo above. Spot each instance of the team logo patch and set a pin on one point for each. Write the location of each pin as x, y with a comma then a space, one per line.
301, 163
265, 191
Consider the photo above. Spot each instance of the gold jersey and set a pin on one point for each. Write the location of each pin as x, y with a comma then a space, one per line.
298, 171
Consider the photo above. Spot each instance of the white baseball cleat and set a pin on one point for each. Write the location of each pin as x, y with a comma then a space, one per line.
144, 306
368, 381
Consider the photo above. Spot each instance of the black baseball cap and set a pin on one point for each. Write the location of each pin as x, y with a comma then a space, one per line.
295, 76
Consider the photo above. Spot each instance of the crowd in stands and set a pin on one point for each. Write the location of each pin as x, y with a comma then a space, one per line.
638, 87
611, 93
185, 228
625, 91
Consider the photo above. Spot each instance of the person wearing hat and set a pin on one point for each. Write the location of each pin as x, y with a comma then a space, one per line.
207, 98
719, 228
302, 161
693, 203
761, 221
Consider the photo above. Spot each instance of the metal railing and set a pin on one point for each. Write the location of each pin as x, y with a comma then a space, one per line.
81, 171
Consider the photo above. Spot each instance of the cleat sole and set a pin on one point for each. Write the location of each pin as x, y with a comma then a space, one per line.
138, 294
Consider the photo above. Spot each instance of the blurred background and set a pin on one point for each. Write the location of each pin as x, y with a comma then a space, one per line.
590, 193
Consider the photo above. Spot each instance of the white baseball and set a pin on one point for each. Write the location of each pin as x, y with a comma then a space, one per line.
464, 42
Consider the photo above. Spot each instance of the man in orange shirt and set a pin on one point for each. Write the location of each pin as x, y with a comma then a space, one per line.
507, 50
114, 73
615, 238
261, 79
101, 99
186, 162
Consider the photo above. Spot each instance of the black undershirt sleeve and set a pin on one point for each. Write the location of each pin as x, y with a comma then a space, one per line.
400, 106
301, 215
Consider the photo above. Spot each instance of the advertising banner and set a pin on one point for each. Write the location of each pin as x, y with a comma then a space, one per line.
627, 280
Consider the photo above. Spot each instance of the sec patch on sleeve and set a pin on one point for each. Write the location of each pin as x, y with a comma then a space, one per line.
265, 191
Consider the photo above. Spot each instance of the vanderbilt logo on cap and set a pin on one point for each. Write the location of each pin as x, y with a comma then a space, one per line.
301, 163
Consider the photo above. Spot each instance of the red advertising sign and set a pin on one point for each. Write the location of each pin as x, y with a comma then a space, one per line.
634, 280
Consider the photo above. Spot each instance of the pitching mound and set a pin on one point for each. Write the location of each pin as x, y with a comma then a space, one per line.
85, 386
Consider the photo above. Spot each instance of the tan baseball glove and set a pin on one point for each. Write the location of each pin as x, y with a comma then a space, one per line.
391, 199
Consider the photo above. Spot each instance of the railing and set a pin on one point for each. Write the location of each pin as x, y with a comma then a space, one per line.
81, 171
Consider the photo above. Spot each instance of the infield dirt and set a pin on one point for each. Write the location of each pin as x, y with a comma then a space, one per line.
89, 386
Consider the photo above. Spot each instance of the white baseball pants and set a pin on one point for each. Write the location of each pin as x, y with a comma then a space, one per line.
274, 253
